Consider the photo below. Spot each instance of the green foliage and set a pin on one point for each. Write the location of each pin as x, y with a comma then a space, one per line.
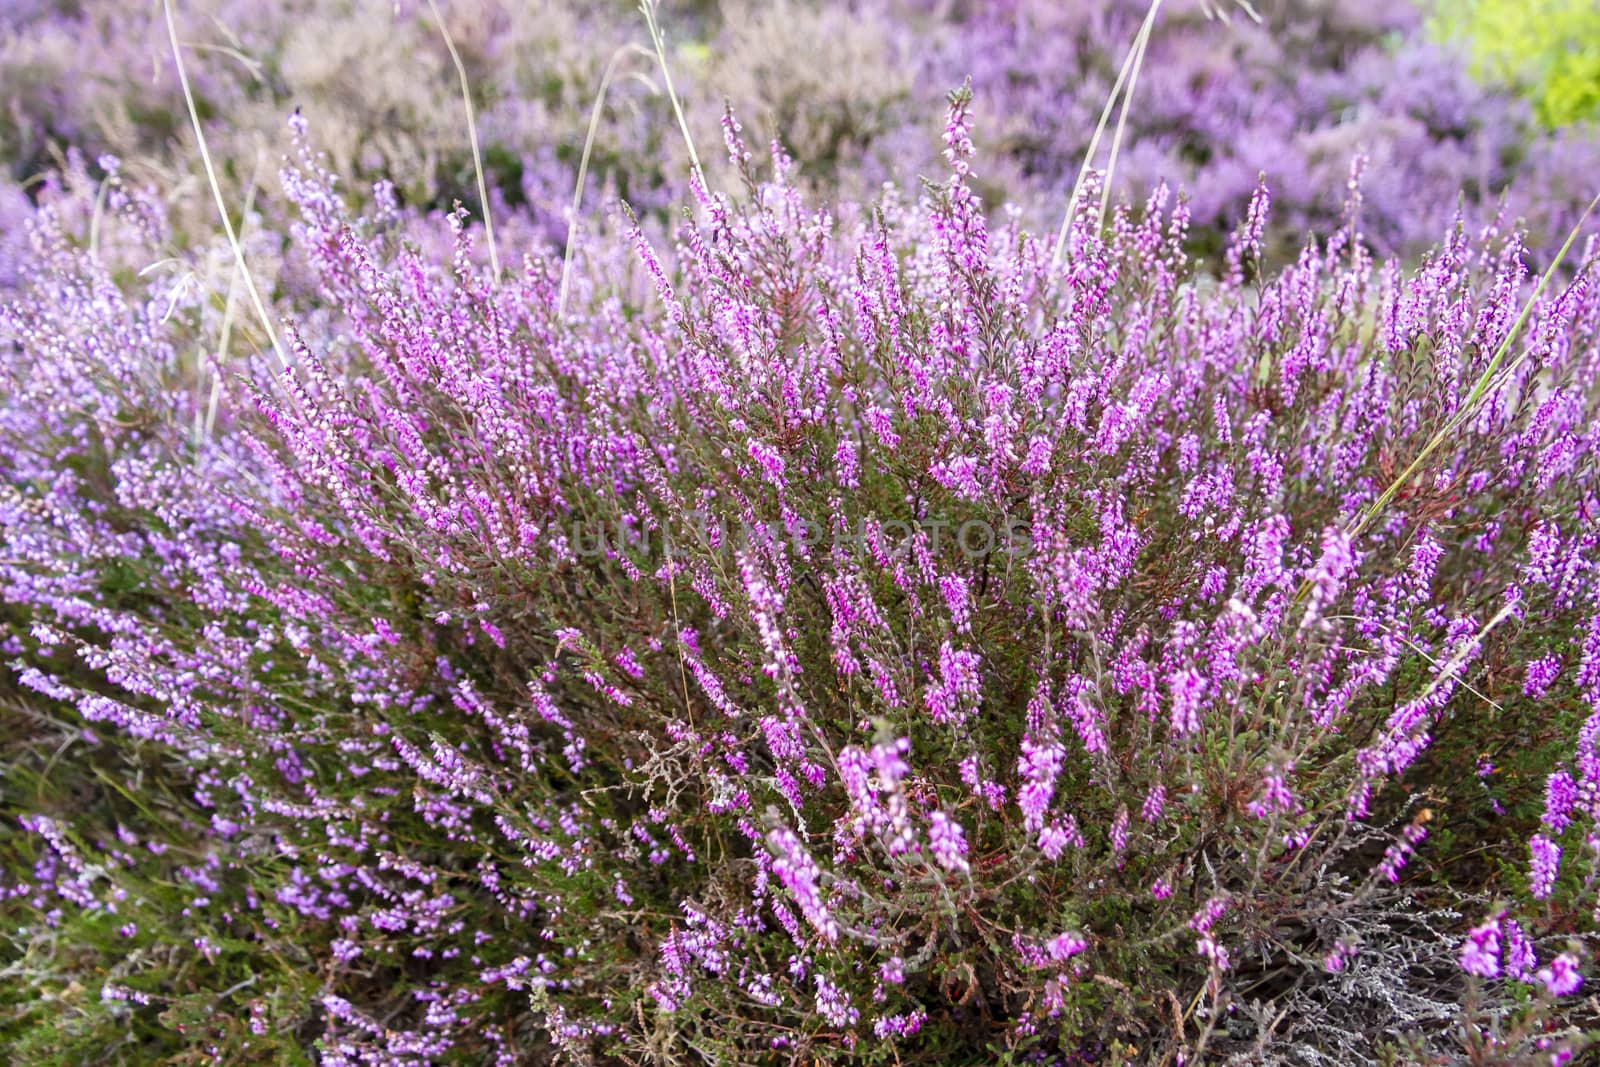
1549, 49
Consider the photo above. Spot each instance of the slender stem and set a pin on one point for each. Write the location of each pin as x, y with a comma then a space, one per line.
648, 8
472, 135
227, 313
583, 169
216, 189
1129, 65
1142, 43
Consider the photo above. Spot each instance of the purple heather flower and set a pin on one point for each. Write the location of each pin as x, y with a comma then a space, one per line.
833, 1004
1520, 958
1480, 952
1063, 947
1562, 977
1337, 958
1561, 795
1544, 866
948, 843
799, 874
1540, 674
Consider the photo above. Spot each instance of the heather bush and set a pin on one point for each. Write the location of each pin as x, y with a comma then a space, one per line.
837, 633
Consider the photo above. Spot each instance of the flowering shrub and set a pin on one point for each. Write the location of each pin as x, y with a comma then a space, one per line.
848, 632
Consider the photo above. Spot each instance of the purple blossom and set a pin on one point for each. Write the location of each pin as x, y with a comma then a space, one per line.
948, 843
1544, 866
1520, 958
1480, 952
799, 874
1541, 674
1562, 978
833, 1004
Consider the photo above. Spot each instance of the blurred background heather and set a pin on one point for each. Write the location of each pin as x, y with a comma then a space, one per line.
1471, 108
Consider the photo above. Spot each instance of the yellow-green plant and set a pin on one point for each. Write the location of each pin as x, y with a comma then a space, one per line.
1548, 48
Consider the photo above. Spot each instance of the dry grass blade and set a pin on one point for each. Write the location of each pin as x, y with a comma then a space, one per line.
583, 166
472, 135
204, 429
1129, 70
216, 189
1141, 43
648, 9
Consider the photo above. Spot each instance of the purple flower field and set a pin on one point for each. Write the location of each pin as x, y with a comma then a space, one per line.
816, 532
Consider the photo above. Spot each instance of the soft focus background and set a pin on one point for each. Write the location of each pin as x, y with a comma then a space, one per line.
1482, 106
